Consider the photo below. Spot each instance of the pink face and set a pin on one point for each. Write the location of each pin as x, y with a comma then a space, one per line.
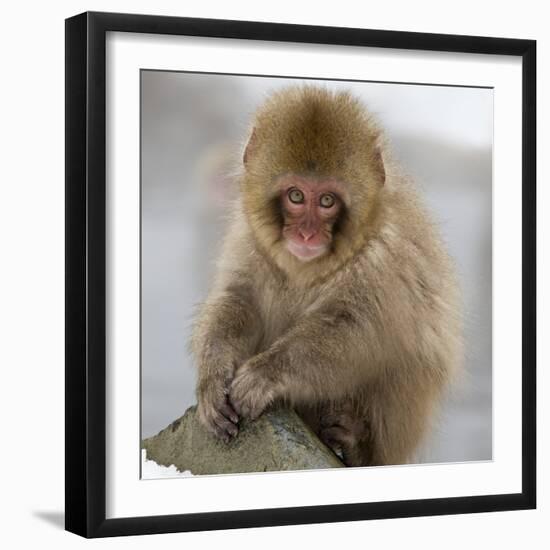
310, 209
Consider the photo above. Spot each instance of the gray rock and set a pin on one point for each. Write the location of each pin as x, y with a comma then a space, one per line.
277, 440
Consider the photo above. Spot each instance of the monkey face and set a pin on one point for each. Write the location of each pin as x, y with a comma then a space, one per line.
312, 173
310, 210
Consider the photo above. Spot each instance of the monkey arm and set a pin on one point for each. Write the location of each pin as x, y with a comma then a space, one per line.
324, 356
228, 323
225, 335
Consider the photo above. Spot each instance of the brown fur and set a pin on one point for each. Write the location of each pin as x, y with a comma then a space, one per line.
361, 341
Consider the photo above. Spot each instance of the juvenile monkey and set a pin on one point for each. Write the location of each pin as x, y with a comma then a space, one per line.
334, 294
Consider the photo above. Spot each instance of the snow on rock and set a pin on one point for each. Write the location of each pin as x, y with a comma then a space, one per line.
151, 470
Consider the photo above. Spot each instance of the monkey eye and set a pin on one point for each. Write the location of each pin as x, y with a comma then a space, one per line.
327, 200
296, 196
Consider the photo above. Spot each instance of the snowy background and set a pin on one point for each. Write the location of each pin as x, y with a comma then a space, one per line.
193, 126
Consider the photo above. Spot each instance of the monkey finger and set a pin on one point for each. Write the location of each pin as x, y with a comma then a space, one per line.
236, 406
220, 433
256, 410
215, 430
211, 419
235, 402
226, 426
245, 409
229, 412
242, 407
252, 408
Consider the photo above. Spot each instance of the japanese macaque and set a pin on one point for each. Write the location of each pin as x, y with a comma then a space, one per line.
334, 294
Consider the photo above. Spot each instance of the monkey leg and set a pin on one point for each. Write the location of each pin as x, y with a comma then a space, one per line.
379, 428
397, 412
383, 423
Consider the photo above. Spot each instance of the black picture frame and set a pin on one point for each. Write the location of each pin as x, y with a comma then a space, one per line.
85, 489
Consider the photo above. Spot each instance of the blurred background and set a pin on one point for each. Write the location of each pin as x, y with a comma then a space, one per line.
193, 127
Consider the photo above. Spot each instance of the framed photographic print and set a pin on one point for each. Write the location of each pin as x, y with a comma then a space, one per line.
300, 274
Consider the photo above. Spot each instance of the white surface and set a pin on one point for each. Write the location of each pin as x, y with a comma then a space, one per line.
126, 494
151, 470
31, 289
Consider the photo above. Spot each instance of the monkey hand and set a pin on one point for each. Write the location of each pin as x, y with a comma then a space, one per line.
252, 390
215, 411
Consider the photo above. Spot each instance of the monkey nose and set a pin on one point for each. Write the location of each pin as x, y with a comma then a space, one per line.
307, 233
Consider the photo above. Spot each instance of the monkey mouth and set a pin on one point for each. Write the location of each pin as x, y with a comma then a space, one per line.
305, 252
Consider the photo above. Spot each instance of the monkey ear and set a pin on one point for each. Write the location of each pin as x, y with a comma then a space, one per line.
378, 164
251, 147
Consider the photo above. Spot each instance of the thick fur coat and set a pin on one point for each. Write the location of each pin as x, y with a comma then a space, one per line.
362, 341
